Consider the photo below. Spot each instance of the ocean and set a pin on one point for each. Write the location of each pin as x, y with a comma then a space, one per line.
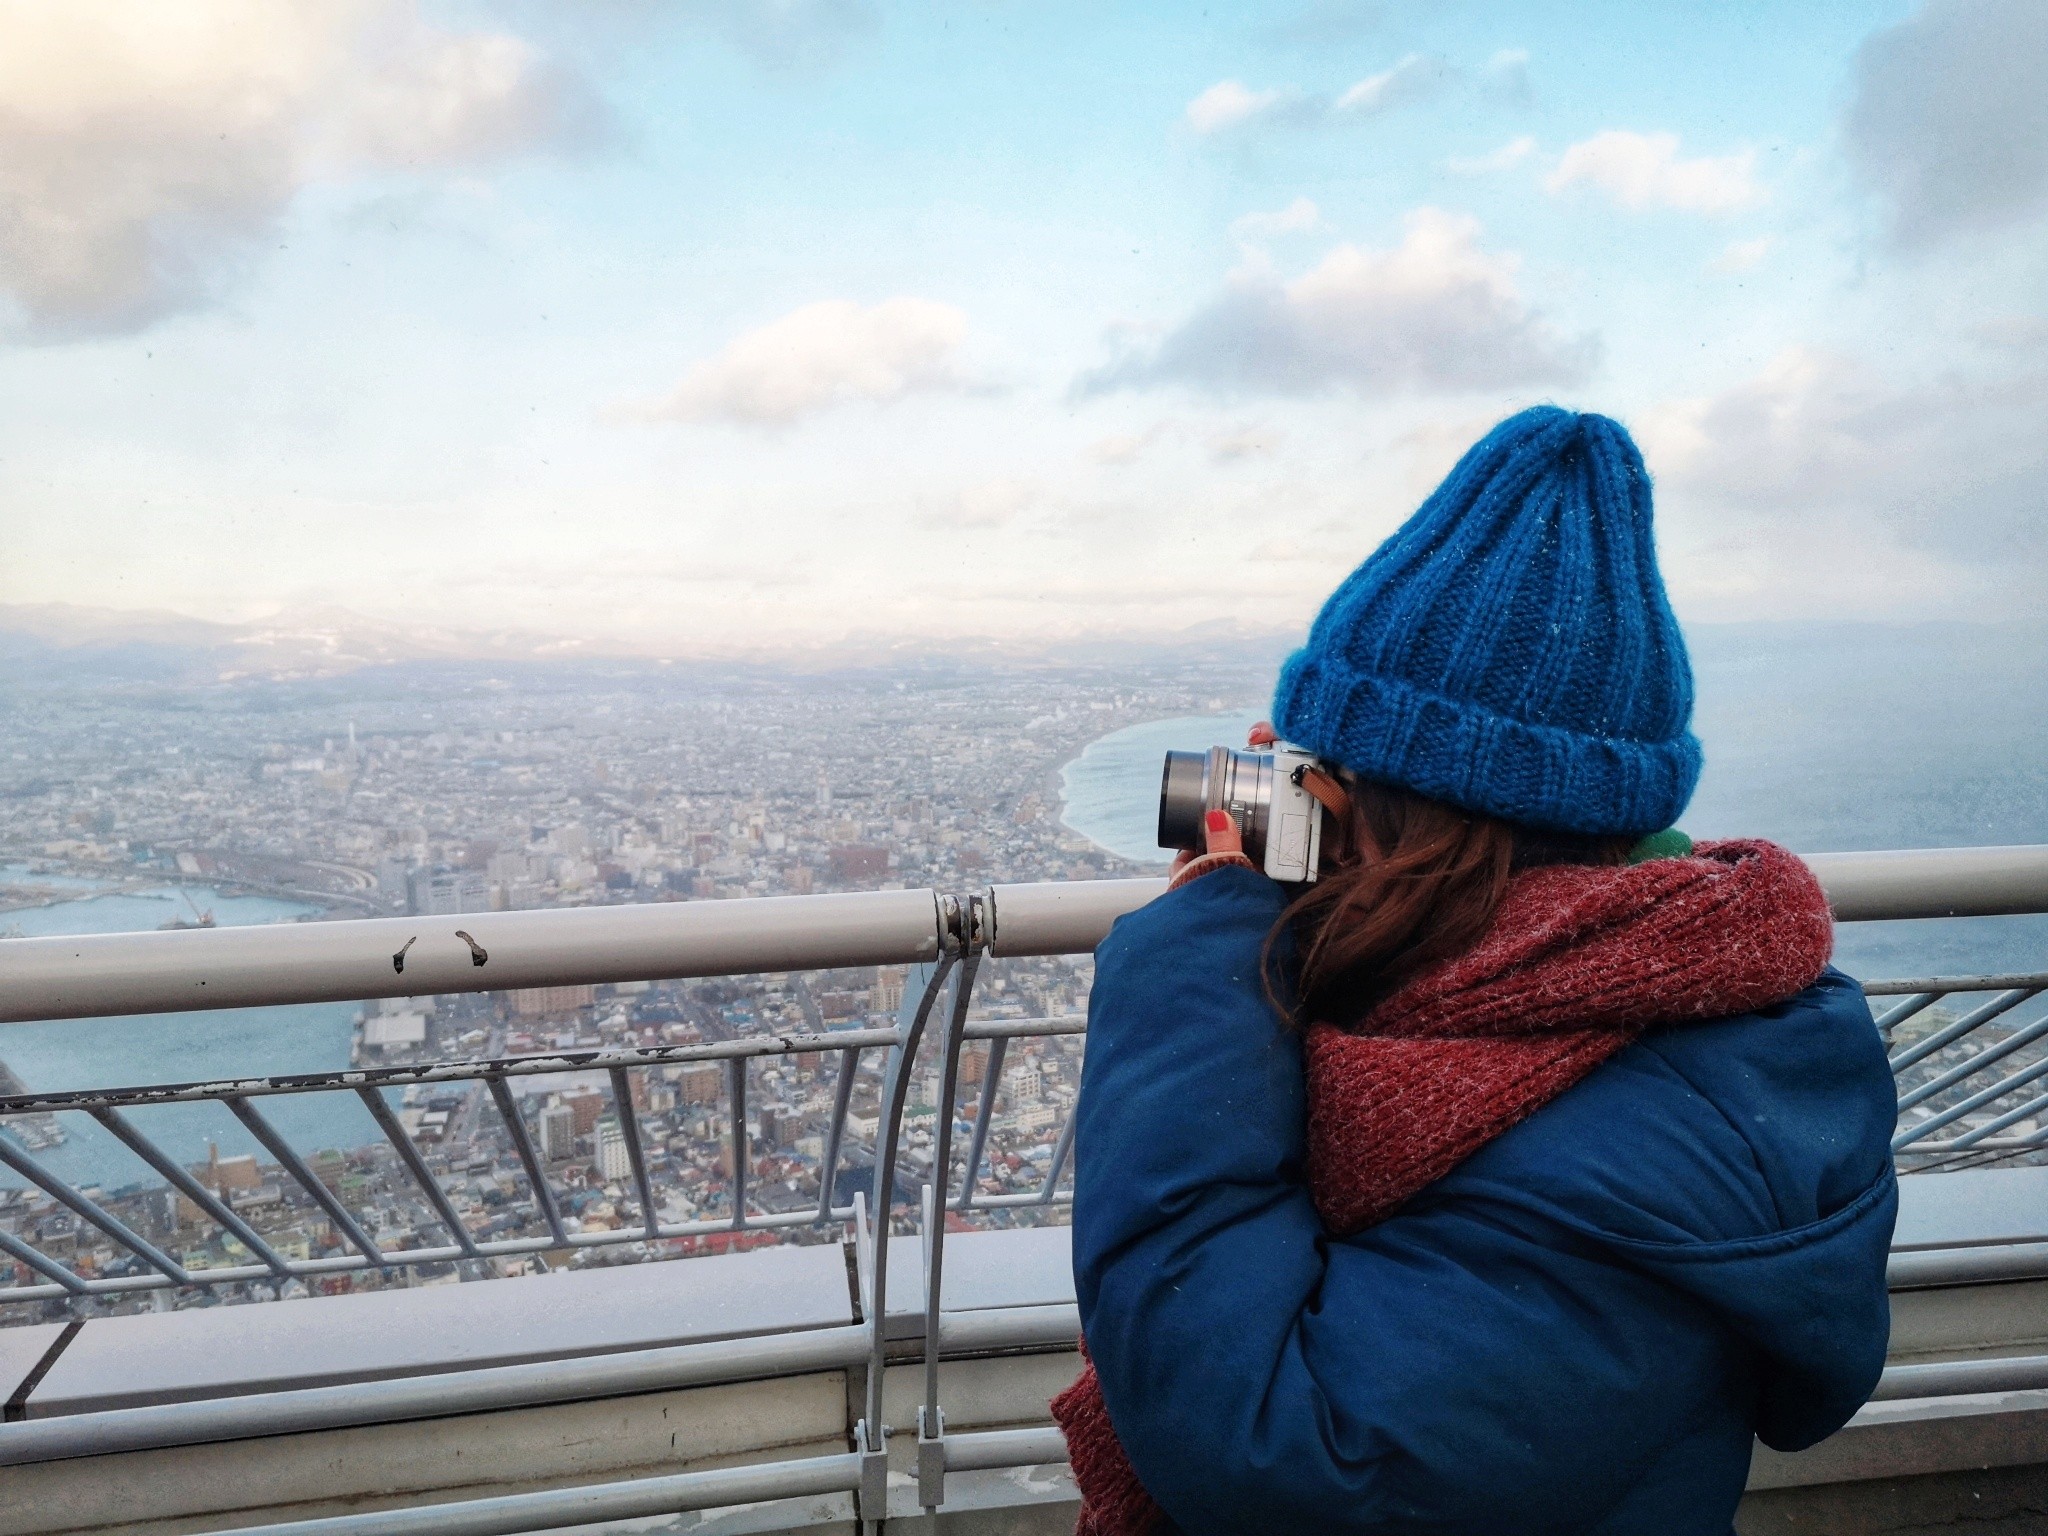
1823, 738
58, 1054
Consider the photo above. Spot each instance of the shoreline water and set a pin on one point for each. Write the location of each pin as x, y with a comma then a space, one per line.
54, 1055
1110, 795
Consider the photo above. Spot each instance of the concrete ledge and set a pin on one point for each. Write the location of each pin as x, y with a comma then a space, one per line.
118, 1362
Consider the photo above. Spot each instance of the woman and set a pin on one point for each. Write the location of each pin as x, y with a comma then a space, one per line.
1516, 1174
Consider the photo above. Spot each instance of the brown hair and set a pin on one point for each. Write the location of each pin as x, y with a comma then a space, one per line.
1407, 882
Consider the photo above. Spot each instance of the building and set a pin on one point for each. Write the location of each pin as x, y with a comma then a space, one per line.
613, 1160
859, 861
887, 996
221, 1174
548, 1002
445, 892
584, 1109
557, 1133
1023, 1084
394, 1031
700, 1083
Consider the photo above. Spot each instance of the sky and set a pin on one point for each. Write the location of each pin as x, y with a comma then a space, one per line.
701, 326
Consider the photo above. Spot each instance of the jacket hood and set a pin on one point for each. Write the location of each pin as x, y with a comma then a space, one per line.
1579, 962
1795, 1296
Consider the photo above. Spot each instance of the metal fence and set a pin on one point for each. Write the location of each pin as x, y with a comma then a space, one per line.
1968, 1077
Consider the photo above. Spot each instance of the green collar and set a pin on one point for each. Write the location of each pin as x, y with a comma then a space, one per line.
1668, 844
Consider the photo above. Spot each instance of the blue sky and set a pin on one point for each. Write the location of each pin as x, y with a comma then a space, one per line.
703, 326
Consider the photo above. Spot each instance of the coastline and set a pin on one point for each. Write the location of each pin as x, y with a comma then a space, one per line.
1109, 794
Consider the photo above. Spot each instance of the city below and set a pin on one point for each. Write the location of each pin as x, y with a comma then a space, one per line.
454, 790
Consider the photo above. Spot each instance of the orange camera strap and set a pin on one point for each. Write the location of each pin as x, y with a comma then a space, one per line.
1328, 792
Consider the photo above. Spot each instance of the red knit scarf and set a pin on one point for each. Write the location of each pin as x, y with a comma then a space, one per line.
1579, 962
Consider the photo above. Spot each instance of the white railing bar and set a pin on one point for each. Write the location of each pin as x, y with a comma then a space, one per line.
1990, 1056
1925, 1269
797, 1352
94, 975
412, 1258
1023, 1029
1959, 1378
592, 1504
1948, 1034
396, 957
991, 1450
1934, 882
1932, 989
427, 1073
254, 1415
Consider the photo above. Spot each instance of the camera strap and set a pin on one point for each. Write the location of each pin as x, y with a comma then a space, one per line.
1328, 792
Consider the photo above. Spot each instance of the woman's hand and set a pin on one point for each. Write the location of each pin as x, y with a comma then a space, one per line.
1222, 844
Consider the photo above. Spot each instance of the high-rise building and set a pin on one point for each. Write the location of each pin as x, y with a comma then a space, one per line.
1023, 1084
557, 1133
443, 892
700, 1083
585, 1108
613, 1160
887, 996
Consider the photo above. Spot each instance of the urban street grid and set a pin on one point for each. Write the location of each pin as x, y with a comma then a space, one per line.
467, 789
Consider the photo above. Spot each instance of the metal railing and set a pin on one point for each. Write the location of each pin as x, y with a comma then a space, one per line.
1959, 1117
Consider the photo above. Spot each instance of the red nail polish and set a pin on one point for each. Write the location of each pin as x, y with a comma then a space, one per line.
1217, 821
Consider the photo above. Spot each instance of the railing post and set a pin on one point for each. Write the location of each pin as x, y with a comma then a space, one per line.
931, 1421
871, 1433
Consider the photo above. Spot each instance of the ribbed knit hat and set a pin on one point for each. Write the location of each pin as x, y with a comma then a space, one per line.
1510, 649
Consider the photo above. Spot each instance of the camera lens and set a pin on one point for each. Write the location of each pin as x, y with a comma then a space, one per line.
1181, 800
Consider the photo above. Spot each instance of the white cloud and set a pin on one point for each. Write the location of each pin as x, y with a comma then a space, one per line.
1123, 447
1299, 217
1956, 466
990, 504
145, 148
1950, 119
1252, 441
1643, 170
1416, 78
1436, 313
820, 356
1742, 255
1506, 158
1231, 104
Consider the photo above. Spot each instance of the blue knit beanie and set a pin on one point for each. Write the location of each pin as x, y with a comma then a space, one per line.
1510, 649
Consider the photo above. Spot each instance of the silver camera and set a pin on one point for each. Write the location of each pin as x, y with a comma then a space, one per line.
1282, 822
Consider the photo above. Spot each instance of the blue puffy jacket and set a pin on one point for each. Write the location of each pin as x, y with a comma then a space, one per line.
1577, 1330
